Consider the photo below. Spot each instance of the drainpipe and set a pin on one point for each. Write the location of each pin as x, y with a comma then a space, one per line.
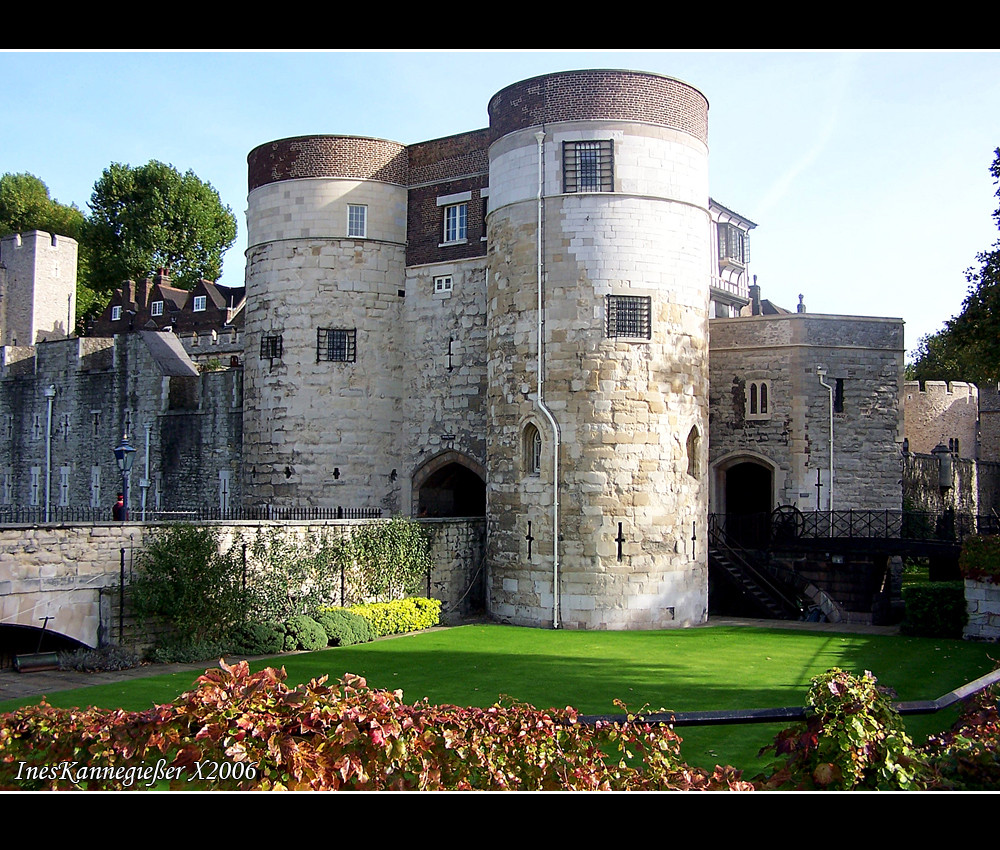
144, 484
539, 137
50, 395
821, 373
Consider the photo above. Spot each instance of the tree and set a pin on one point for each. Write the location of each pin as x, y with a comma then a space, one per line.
154, 217
968, 348
25, 205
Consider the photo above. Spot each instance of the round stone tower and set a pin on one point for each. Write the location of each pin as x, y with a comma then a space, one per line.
597, 490
326, 217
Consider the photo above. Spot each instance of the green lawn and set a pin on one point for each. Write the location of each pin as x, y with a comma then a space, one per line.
708, 668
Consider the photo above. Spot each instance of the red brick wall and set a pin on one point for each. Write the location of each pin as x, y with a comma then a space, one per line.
599, 95
327, 156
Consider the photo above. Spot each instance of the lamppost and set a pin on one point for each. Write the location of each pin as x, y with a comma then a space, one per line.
124, 456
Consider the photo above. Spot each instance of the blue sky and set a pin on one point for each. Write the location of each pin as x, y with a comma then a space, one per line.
867, 173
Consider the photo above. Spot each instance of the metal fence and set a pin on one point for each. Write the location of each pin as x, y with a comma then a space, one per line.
34, 515
788, 524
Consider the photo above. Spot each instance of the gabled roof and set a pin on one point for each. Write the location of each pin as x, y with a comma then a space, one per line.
166, 349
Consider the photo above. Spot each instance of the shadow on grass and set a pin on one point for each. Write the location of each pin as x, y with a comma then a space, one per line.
681, 670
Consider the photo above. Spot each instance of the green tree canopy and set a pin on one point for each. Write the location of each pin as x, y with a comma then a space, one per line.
968, 348
153, 217
25, 205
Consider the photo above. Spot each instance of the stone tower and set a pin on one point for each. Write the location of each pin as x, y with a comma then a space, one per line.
37, 287
598, 212
326, 220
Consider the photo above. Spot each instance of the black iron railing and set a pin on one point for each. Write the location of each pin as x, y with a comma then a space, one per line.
787, 524
20, 515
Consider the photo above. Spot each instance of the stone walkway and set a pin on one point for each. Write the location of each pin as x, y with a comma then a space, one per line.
24, 685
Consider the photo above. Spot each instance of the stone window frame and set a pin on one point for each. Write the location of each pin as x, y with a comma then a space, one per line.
455, 218
64, 473
200, 304
692, 448
759, 399
156, 308
8, 486
531, 449
629, 317
357, 221
116, 313
95, 486
588, 166
337, 345
35, 486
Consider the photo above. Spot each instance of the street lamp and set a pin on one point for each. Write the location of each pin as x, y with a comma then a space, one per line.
124, 456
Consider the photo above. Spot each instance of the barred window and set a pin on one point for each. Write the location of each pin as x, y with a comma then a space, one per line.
628, 316
336, 344
270, 347
588, 166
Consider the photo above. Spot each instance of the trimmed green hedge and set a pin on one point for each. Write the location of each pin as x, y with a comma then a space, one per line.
400, 615
935, 609
303, 632
343, 627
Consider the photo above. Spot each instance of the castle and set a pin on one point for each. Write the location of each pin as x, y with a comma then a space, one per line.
548, 322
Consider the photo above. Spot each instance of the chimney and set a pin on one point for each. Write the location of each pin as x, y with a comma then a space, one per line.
754, 298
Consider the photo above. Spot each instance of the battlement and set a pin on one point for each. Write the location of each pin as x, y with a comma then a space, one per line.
956, 389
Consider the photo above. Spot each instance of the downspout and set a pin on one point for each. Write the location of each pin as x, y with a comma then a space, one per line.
821, 372
50, 394
145, 479
539, 137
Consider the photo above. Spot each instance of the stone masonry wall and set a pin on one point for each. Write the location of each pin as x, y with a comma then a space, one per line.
939, 413
865, 354
37, 287
59, 570
625, 408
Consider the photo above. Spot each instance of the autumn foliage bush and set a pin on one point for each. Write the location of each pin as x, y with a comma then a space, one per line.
348, 736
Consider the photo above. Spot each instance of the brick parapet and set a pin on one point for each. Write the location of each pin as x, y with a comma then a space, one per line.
599, 95
327, 156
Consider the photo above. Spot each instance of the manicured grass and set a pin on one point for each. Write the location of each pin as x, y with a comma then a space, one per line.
709, 668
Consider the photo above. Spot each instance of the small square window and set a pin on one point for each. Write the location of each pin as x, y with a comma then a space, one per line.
270, 347
629, 316
156, 308
199, 303
336, 344
588, 166
443, 283
116, 313
357, 221
456, 219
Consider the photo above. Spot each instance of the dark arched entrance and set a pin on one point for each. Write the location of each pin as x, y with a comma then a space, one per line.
449, 488
749, 487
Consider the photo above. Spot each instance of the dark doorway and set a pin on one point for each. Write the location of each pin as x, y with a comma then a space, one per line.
452, 491
748, 504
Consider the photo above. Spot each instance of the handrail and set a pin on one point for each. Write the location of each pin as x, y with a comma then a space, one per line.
717, 538
772, 715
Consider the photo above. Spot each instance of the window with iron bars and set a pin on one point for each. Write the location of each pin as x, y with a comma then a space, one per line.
270, 347
336, 344
629, 316
588, 166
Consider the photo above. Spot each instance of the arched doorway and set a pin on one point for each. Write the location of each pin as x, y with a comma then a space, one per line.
449, 485
749, 488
